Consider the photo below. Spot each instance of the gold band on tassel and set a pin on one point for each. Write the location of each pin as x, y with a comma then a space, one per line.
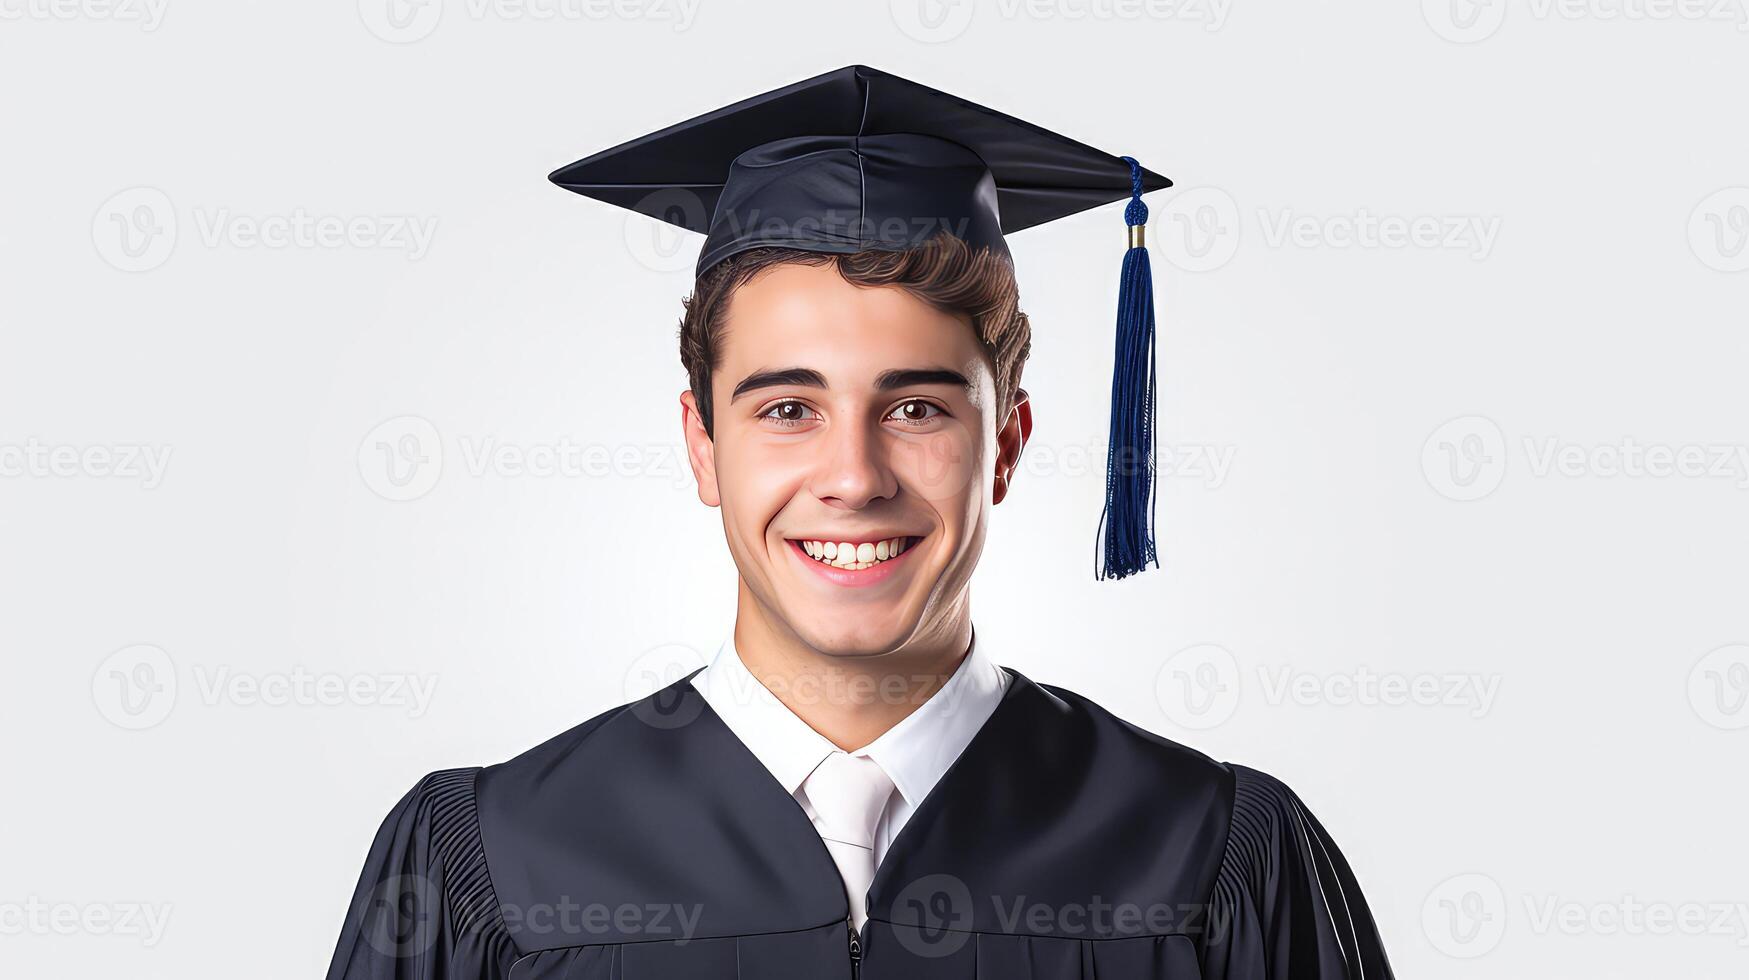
1136, 237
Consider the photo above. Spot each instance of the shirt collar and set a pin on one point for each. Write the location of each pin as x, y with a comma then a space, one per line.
915, 753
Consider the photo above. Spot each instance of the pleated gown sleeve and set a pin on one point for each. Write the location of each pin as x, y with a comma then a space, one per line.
424, 908
1286, 905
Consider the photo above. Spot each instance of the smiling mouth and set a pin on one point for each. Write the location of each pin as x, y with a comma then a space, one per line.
855, 555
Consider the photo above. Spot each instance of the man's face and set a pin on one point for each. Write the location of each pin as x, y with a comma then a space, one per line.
857, 422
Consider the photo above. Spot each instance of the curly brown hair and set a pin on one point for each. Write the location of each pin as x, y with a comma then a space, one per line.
944, 272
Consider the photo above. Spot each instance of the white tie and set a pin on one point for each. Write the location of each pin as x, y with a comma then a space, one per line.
849, 794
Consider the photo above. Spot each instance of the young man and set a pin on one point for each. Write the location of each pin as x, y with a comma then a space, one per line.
853, 787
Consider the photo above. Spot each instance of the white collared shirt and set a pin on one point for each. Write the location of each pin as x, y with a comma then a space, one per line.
915, 753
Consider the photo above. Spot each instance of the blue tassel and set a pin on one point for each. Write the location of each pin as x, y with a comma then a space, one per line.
1126, 539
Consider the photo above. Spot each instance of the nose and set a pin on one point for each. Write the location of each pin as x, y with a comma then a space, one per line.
853, 469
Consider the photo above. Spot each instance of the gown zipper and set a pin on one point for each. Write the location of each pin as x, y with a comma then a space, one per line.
855, 951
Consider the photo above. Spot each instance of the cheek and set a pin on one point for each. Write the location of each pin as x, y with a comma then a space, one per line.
760, 479
942, 467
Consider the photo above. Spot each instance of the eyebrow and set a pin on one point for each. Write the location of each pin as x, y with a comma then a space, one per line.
887, 381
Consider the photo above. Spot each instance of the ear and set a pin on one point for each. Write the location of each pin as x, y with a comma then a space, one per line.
1010, 440
701, 452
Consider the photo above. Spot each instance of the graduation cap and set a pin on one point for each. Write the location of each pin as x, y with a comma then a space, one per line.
860, 159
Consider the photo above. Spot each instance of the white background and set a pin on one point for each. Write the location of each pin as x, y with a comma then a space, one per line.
1562, 565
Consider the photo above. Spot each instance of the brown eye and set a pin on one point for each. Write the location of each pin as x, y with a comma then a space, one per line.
915, 412
787, 413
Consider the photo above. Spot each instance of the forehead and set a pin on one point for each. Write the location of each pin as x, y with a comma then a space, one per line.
810, 316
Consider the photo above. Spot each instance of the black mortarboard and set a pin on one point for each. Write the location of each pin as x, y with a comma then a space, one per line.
859, 159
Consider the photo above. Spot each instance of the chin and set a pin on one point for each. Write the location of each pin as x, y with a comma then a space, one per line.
853, 640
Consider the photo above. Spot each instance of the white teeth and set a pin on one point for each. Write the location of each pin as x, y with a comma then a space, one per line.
844, 554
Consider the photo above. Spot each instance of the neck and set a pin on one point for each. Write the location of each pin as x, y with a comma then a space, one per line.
851, 700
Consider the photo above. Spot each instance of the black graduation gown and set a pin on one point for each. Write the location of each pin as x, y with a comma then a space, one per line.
650, 844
